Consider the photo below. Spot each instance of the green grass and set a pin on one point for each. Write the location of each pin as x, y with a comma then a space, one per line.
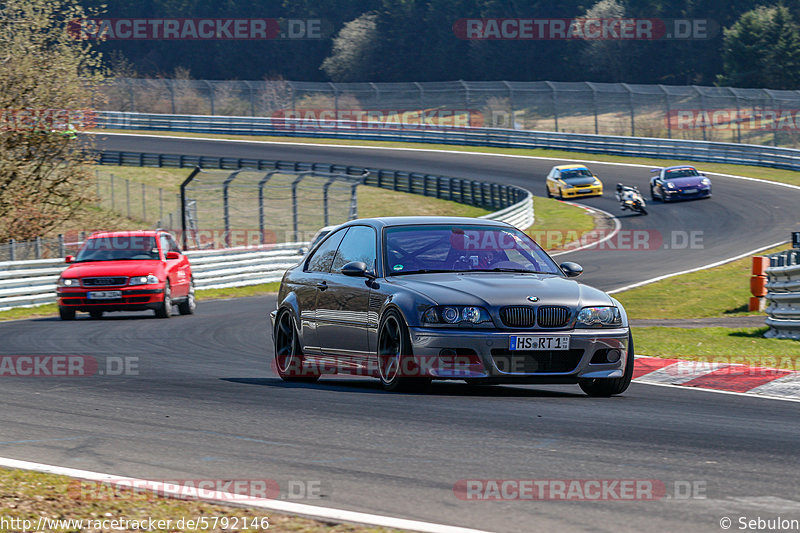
724, 345
557, 224
716, 292
237, 292
29, 495
771, 174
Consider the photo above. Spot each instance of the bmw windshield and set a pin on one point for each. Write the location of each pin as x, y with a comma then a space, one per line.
462, 248
118, 248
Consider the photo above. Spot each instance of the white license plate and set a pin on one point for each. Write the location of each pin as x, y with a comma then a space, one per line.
104, 295
690, 191
539, 342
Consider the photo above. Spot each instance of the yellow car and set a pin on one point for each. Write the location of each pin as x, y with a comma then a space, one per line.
573, 181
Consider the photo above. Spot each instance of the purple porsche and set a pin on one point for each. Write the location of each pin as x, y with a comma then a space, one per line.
679, 182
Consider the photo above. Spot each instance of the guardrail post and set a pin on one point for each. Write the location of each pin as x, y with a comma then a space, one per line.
632, 112
182, 198
594, 105
225, 207
12, 250
37, 244
128, 196
263, 181
325, 200
668, 111
295, 221
555, 103
61, 251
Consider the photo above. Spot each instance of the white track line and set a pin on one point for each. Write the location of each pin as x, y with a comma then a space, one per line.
225, 498
441, 151
617, 227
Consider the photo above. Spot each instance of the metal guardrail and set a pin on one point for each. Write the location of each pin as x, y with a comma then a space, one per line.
707, 151
783, 296
30, 283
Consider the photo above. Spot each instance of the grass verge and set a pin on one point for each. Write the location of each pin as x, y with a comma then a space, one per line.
721, 291
770, 174
717, 292
724, 345
26, 495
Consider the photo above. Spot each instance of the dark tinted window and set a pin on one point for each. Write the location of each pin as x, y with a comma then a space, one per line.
358, 245
322, 258
118, 247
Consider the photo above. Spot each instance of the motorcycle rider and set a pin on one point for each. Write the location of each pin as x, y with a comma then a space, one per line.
625, 193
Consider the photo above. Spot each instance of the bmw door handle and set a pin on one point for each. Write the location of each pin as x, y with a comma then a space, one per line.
322, 285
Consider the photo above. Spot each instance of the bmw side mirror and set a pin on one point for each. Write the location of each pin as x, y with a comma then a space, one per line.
357, 269
572, 270
69, 259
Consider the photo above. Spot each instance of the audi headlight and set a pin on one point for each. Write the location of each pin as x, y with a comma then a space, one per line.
69, 282
150, 279
599, 317
444, 315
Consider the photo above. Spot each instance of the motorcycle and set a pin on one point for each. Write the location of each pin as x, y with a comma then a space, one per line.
632, 200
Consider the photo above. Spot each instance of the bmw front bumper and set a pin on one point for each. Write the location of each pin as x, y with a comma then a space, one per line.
485, 355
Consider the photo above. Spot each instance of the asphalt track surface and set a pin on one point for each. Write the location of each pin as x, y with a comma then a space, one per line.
741, 215
204, 402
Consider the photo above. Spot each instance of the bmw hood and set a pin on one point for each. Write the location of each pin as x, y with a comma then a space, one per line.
498, 290
93, 269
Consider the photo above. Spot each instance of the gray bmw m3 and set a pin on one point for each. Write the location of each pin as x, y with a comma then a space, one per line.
408, 300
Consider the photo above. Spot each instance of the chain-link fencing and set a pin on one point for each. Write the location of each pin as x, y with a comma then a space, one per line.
756, 116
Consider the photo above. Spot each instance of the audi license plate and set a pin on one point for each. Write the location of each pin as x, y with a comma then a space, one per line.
539, 342
104, 295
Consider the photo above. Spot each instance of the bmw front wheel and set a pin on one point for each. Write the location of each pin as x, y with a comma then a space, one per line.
395, 360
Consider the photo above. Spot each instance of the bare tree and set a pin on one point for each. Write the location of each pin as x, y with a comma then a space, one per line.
353, 48
48, 77
608, 56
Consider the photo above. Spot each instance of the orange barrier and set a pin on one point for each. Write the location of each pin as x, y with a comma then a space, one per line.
758, 286
760, 265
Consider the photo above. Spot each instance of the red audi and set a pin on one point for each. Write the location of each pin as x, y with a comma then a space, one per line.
127, 271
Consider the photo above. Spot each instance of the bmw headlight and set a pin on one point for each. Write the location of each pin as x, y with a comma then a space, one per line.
150, 279
444, 315
68, 282
599, 317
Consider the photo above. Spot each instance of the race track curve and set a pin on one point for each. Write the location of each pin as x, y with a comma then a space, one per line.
204, 402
